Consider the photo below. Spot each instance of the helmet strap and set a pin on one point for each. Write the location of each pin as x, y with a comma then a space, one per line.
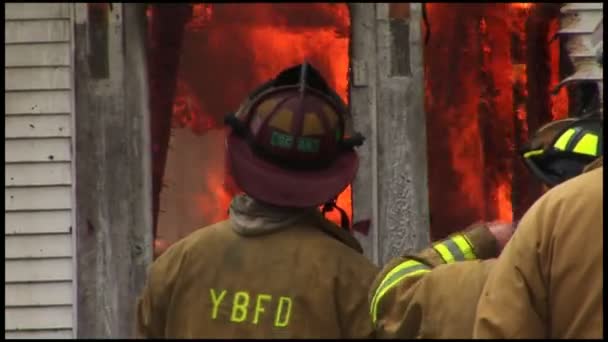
344, 221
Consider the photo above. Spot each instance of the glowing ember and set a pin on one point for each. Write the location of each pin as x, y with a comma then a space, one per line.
522, 5
228, 50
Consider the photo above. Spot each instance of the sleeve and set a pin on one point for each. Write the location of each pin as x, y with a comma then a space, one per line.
397, 295
352, 296
513, 302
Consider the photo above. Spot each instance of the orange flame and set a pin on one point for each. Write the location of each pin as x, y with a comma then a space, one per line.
231, 49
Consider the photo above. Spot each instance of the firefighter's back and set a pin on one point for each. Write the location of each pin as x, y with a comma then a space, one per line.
298, 282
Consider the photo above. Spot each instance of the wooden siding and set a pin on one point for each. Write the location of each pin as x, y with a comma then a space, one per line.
39, 244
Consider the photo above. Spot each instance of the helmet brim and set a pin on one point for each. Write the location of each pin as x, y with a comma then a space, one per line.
278, 186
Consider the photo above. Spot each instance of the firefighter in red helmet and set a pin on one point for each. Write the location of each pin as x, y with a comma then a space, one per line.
434, 294
276, 268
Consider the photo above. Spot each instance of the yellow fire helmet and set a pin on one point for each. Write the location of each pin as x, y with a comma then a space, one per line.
560, 149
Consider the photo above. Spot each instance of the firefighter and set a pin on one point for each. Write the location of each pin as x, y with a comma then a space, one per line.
409, 301
276, 268
561, 149
548, 282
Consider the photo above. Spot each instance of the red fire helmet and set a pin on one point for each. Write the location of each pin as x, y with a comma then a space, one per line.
287, 145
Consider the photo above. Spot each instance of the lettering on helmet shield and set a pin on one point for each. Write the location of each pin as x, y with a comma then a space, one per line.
251, 308
309, 145
281, 140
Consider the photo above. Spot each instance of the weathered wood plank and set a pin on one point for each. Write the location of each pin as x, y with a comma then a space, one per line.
363, 109
39, 334
38, 246
38, 222
113, 175
37, 102
38, 198
37, 150
402, 164
38, 294
32, 126
36, 31
14, 11
50, 54
57, 317
51, 334
37, 78
38, 270
37, 174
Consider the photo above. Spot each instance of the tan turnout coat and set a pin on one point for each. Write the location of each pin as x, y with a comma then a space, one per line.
305, 281
548, 282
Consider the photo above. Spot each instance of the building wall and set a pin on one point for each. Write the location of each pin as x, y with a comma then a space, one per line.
39, 255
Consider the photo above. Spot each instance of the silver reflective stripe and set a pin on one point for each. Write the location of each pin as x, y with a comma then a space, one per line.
453, 248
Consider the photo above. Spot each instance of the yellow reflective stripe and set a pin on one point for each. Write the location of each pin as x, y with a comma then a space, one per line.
533, 153
561, 143
399, 268
457, 248
465, 247
389, 285
399, 272
445, 253
587, 145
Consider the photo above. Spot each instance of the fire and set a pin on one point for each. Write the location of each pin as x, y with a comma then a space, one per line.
228, 50
477, 108
559, 102
522, 5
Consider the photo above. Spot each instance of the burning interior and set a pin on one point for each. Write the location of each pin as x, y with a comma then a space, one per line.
490, 69
227, 50
489, 72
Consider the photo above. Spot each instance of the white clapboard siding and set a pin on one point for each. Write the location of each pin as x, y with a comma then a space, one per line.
54, 334
37, 102
37, 78
13, 11
37, 126
37, 150
48, 54
38, 270
58, 173
37, 222
37, 31
38, 294
37, 246
54, 317
38, 198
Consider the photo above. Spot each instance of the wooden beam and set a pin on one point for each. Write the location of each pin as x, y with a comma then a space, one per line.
387, 108
113, 187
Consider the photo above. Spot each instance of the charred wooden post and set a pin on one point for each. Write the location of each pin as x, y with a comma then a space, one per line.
166, 29
538, 102
520, 182
486, 111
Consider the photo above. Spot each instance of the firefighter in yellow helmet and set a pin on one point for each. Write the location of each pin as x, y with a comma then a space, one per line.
548, 282
276, 268
434, 294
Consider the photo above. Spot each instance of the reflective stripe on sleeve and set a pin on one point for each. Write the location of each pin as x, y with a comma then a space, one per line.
406, 269
457, 248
